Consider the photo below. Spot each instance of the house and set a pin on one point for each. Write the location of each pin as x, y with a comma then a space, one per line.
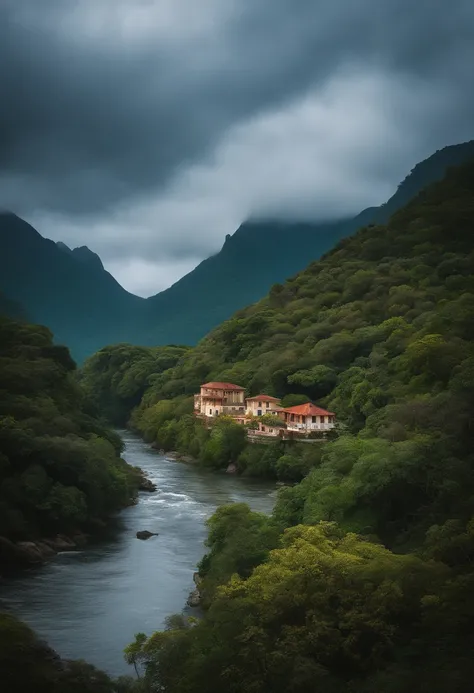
228, 399
305, 418
216, 398
261, 404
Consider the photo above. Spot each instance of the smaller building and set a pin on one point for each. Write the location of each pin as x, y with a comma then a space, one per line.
216, 398
305, 418
261, 404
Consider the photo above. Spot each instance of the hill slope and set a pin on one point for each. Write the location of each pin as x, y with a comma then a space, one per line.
381, 332
362, 579
260, 254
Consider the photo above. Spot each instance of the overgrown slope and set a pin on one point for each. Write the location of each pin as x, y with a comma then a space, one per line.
60, 466
362, 580
381, 332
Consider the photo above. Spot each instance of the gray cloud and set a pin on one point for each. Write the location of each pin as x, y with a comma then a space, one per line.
148, 129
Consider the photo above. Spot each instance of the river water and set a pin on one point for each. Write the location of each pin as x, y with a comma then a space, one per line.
89, 604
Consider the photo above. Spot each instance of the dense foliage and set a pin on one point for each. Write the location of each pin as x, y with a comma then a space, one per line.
362, 580
28, 665
380, 331
117, 376
60, 467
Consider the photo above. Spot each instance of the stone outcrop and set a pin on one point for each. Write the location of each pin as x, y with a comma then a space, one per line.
146, 485
195, 596
145, 534
25, 554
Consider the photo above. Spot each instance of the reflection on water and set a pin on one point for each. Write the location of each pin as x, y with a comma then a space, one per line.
89, 604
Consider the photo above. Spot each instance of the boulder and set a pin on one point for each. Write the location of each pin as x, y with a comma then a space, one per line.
231, 469
60, 543
194, 598
145, 534
80, 539
147, 485
45, 549
28, 552
8, 553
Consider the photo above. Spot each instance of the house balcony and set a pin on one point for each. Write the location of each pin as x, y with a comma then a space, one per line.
306, 428
233, 410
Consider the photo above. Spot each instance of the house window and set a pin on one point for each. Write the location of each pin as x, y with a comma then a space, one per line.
259, 404
313, 419
259, 412
267, 405
323, 419
292, 417
210, 411
263, 428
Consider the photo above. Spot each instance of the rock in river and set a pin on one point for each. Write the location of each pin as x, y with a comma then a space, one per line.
145, 534
147, 485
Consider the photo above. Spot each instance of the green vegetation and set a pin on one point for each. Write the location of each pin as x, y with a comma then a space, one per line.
362, 579
60, 466
28, 665
118, 376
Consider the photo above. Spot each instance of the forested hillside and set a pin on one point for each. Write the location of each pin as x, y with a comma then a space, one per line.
263, 252
60, 466
362, 579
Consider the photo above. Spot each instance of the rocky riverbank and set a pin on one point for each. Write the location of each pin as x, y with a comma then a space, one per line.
28, 554
195, 596
17, 555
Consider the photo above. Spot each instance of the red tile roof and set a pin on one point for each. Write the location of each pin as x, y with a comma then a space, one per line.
263, 398
308, 409
223, 386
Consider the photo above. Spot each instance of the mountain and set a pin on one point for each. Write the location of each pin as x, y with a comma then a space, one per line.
83, 254
262, 253
70, 291
67, 290
11, 309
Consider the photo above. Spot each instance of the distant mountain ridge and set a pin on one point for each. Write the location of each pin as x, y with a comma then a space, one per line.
83, 254
75, 297
70, 291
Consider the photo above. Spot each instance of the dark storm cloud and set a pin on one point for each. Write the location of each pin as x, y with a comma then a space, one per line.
90, 116
149, 129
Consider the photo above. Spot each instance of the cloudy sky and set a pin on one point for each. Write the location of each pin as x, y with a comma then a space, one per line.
149, 129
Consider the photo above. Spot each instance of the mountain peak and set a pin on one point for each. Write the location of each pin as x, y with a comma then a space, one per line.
83, 254
88, 257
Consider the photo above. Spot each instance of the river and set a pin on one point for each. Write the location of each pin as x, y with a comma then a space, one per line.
89, 604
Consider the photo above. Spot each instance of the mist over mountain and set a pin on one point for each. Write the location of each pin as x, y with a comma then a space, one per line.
85, 307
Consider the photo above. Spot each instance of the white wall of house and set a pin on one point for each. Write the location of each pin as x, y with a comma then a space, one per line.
256, 408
